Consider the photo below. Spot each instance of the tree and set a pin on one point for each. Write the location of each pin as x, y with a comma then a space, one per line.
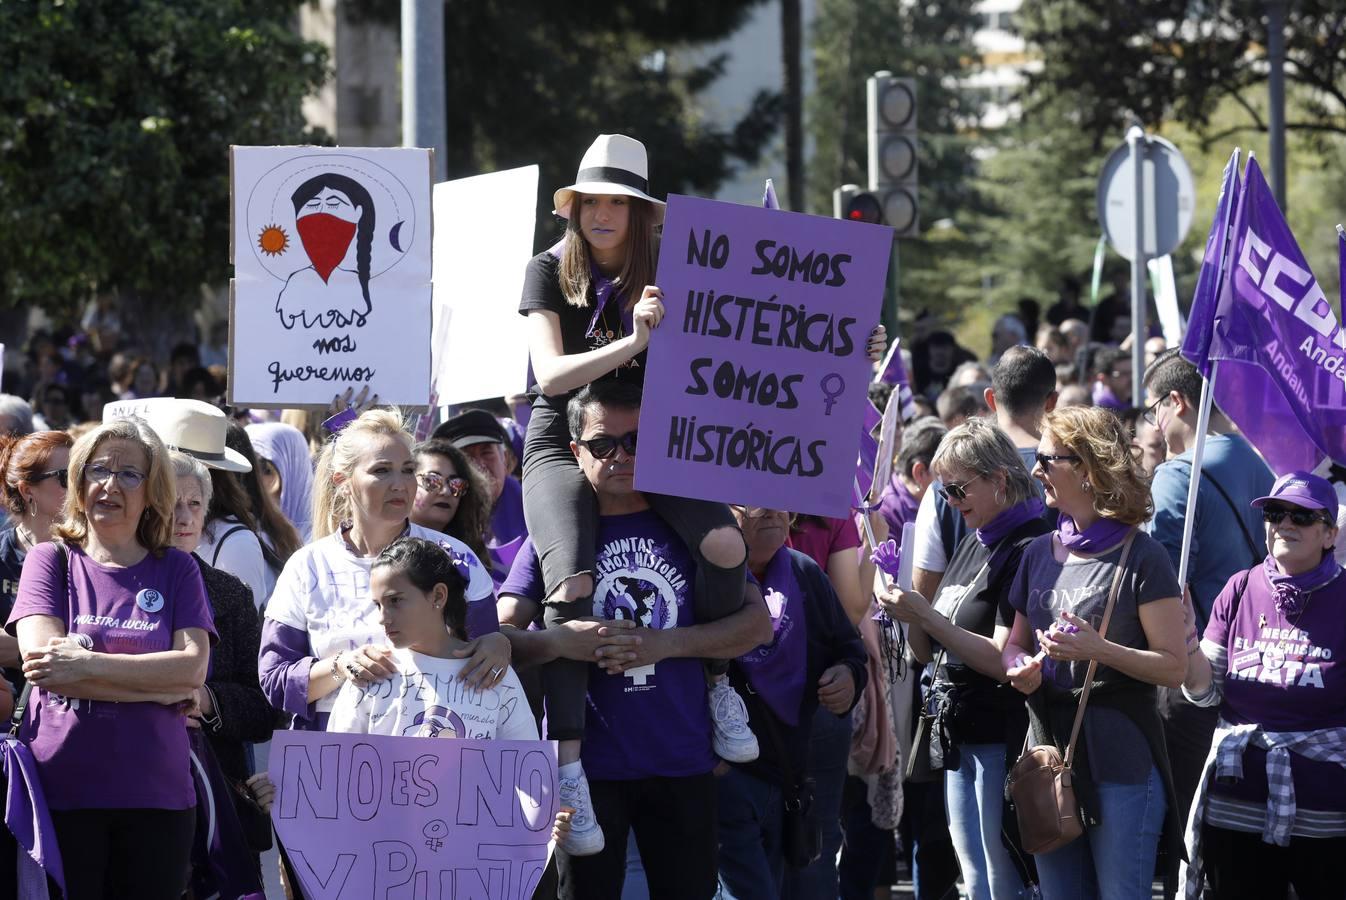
931, 42
527, 83
116, 118
1174, 60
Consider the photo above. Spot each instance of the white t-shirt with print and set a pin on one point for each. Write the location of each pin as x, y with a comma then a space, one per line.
426, 699
324, 590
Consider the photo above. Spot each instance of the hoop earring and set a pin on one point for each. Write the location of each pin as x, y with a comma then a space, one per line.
999, 497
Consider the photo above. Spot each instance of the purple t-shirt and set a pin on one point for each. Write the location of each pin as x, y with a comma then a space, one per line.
508, 530
1283, 675
95, 754
652, 721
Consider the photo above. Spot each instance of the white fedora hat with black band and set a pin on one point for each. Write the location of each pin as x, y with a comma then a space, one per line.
613, 164
195, 428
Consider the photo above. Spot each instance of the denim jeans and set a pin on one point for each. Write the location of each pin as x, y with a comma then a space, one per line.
974, 795
829, 748
750, 813
1113, 860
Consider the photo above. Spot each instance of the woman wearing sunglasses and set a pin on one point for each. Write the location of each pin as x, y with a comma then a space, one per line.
976, 721
451, 495
33, 479
1092, 477
115, 632
1263, 821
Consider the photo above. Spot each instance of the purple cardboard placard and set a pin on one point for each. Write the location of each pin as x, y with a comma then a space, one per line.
361, 815
757, 376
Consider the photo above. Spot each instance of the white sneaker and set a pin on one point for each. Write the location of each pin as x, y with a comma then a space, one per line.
733, 740
585, 838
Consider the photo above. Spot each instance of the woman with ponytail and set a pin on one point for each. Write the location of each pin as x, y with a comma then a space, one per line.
322, 627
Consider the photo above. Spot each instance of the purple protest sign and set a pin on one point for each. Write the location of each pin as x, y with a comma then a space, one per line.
1282, 375
361, 815
756, 379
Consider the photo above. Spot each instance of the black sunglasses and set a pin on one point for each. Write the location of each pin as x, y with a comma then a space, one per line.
1301, 517
61, 475
1046, 459
957, 491
604, 446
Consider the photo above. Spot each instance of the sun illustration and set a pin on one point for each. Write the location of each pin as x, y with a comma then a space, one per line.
273, 240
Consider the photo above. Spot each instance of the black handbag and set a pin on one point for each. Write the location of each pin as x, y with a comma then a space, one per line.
801, 836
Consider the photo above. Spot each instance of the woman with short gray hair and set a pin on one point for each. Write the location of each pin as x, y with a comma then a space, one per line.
973, 719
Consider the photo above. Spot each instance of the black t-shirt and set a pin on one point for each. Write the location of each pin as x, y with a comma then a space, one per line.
542, 290
986, 710
11, 567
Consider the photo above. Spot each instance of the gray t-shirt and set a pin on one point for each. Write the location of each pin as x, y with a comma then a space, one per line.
1045, 587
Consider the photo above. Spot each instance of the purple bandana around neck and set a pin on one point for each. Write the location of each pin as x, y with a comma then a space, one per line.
897, 505
1009, 519
1100, 536
776, 670
603, 286
1292, 590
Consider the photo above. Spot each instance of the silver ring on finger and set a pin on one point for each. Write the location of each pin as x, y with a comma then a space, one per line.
496, 672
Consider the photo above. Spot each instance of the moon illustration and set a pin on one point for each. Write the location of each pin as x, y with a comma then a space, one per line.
394, 235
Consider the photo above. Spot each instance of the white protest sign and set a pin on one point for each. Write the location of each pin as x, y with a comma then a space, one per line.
483, 241
1166, 299
332, 272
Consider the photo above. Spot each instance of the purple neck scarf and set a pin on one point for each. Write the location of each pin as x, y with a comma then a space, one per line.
1292, 591
776, 670
897, 505
1096, 538
1009, 519
603, 286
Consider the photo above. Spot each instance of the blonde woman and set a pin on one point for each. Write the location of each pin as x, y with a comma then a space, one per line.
322, 627
114, 630
1092, 477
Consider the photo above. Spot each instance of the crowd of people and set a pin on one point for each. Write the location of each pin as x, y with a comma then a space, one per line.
745, 702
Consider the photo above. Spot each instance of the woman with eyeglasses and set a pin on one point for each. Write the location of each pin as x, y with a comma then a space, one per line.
1270, 809
115, 633
451, 495
322, 627
975, 722
1055, 613
33, 478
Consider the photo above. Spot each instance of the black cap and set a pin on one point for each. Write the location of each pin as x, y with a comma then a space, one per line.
476, 426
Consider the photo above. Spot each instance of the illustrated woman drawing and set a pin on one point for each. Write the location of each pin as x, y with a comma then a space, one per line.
332, 212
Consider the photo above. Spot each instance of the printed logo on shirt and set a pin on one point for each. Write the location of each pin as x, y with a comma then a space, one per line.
150, 600
1281, 656
1055, 600
436, 722
637, 583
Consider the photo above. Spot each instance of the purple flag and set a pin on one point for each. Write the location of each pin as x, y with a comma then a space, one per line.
1341, 267
769, 200
1201, 322
1279, 344
869, 454
27, 819
893, 371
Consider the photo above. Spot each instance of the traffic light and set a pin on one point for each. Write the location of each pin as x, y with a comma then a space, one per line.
892, 151
849, 202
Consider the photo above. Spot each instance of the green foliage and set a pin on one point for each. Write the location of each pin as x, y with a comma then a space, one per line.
533, 81
931, 42
1176, 60
115, 121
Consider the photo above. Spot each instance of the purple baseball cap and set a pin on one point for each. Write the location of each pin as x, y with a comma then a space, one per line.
1303, 489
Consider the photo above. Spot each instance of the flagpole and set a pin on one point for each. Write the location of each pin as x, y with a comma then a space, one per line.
1194, 483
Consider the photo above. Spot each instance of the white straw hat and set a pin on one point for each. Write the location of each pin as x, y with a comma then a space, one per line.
195, 428
613, 164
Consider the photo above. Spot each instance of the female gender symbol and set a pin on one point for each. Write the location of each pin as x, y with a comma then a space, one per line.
830, 394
